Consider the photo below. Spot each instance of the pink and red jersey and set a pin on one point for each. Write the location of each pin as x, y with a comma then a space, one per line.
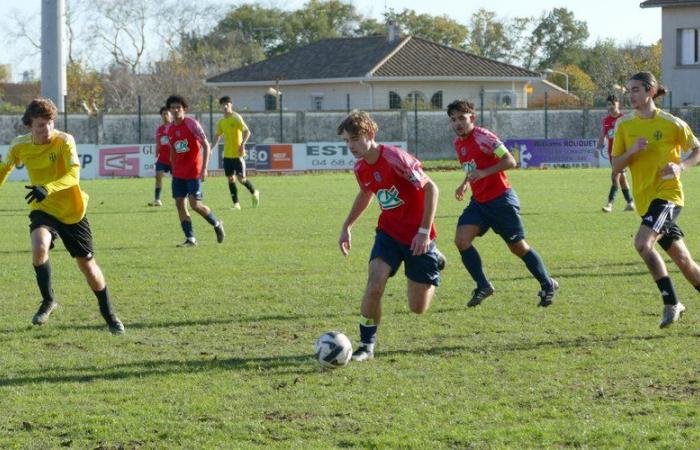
162, 144
187, 140
609, 130
397, 179
476, 151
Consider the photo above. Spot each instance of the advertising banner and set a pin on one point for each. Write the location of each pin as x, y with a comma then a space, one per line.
544, 153
331, 155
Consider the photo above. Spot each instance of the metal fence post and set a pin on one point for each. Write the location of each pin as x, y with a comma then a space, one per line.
211, 117
481, 107
546, 115
347, 98
415, 124
139, 117
281, 122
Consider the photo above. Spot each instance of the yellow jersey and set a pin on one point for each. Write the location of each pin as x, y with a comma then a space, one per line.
667, 137
55, 166
232, 128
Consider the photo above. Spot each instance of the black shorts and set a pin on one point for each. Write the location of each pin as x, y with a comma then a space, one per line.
661, 217
76, 237
234, 166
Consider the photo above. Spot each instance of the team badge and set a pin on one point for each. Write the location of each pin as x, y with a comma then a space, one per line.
377, 177
463, 151
53, 157
658, 135
389, 198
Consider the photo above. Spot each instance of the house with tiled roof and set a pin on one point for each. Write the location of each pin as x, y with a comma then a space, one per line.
680, 37
374, 72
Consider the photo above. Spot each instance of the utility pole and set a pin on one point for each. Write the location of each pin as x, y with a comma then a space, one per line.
53, 61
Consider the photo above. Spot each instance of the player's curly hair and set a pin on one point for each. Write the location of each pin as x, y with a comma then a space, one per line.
612, 98
176, 99
461, 105
358, 123
649, 81
39, 107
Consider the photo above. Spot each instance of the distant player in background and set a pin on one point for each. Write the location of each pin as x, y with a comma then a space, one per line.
493, 204
405, 233
650, 143
189, 155
162, 153
57, 206
606, 140
236, 134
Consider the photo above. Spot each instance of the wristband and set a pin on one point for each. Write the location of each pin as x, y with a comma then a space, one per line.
425, 231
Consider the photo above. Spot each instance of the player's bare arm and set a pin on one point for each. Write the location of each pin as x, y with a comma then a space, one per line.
241, 149
205, 163
362, 201
421, 241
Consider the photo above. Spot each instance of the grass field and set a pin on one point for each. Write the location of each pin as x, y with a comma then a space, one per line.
218, 351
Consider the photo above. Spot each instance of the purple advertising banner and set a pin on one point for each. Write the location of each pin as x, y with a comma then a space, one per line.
550, 153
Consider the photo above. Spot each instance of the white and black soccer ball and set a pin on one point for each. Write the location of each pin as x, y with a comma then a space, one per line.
333, 349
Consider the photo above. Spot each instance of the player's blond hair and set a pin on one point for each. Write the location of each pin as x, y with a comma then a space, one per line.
39, 107
358, 123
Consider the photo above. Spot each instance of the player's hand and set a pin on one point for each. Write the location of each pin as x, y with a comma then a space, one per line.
671, 170
345, 241
460, 191
639, 145
204, 174
476, 175
420, 244
36, 193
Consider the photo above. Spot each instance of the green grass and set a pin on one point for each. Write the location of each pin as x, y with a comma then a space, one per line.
219, 345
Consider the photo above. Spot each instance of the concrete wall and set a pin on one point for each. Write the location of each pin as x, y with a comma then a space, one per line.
682, 80
434, 133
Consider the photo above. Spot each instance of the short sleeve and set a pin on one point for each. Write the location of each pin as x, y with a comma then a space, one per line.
686, 138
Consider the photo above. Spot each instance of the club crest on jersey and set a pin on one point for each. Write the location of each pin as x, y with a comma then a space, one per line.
377, 177
181, 146
463, 151
53, 157
389, 198
469, 166
658, 135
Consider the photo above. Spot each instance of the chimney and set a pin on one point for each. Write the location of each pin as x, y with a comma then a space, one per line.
392, 31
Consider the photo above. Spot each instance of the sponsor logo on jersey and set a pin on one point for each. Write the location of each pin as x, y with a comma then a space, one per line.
389, 198
469, 166
164, 140
181, 146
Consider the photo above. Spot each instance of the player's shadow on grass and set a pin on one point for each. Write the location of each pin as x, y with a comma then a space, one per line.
284, 365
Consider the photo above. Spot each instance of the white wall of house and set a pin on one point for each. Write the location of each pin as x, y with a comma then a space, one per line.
373, 94
681, 61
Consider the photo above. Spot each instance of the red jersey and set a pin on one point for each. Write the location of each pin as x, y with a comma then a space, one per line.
162, 144
187, 139
609, 130
397, 179
476, 151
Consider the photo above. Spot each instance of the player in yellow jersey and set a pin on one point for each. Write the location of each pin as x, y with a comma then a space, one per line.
236, 134
57, 206
650, 143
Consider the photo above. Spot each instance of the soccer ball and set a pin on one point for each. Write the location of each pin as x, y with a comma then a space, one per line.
333, 349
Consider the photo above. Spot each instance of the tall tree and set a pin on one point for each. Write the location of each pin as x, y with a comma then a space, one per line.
496, 38
558, 38
440, 29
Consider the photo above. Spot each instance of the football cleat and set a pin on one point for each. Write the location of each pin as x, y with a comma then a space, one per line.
256, 198
187, 243
155, 203
219, 230
629, 207
479, 295
607, 208
43, 313
236, 206
363, 353
116, 327
671, 314
547, 296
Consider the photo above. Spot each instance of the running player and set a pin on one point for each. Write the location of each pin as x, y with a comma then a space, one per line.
650, 143
494, 203
162, 153
236, 134
405, 233
606, 140
189, 155
57, 206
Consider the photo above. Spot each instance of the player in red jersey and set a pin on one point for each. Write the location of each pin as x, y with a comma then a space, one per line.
187, 143
405, 233
162, 153
493, 204
606, 137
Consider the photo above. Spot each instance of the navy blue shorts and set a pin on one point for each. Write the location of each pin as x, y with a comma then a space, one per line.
661, 217
187, 188
502, 214
162, 167
421, 269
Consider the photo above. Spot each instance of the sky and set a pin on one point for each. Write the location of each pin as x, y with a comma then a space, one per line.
621, 20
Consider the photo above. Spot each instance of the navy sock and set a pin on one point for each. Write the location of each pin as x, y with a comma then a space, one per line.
105, 304
157, 193
368, 330
249, 186
211, 218
626, 194
613, 192
234, 191
535, 265
187, 228
472, 262
43, 279
668, 293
